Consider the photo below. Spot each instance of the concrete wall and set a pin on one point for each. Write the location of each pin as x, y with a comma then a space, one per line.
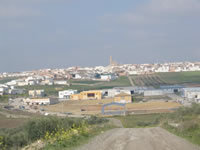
153, 93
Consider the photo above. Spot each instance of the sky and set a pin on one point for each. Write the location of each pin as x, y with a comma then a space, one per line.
37, 34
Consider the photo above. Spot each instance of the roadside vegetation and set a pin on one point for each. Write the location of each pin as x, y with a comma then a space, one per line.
184, 122
4, 98
54, 132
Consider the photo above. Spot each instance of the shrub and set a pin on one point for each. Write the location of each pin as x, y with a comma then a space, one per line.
188, 126
96, 120
37, 128
143, 124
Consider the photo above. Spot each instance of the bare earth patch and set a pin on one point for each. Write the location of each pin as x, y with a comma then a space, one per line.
94, 106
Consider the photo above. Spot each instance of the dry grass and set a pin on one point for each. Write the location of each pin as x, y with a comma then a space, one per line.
94, 106
11, 122
153, 105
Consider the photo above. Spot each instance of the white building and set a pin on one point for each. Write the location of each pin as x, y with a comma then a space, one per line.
77, 76
109, 93
191, 94
12, 83
60, 82
108, 77
3, 89
36, 93
40, 101
66, 94
22, 83
15, 91
47, 82
153, 92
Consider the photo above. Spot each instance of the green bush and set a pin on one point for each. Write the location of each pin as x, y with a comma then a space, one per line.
96, 120
36, 129
143, 124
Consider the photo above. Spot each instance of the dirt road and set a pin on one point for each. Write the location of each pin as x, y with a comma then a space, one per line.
138, 139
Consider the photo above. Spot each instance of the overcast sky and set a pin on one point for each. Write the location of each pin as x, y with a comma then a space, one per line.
38, 34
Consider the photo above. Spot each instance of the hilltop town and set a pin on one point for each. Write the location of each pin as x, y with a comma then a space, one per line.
102, 73
127, 84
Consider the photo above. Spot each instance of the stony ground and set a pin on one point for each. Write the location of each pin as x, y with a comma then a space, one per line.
138, 139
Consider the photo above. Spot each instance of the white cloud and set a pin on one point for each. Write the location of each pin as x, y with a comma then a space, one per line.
158, 11
13, 11
18, 8
177, 7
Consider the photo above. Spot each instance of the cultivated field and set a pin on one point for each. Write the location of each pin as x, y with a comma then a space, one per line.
14, 118
94, 106
11, 122
153, 80
171, 78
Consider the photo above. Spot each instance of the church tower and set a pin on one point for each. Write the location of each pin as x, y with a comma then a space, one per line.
111, 61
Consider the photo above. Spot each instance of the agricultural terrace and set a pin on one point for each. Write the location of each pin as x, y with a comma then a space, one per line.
94, 107
170, 78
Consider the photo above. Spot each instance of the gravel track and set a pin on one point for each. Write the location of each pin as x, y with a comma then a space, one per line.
138, 139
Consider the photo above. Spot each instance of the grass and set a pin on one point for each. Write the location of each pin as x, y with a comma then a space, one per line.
4, 98
80, 140
11, 122
187, 118
181, 77
7, 79
94, 106
138, 121
192, 135
86, 81
52, 90
169, 78
66, 130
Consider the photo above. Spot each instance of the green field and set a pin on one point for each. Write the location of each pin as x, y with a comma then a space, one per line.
181, 77
53, 89
170, 78
85, 81
138, 121
5, 80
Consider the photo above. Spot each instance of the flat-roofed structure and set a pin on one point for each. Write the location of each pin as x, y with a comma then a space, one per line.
40, 101
87, 95
123, 98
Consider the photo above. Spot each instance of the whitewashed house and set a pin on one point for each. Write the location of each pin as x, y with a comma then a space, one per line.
109, 93
3, 89
108, 77
36, 93
66, 94
40, 101
60, 82
191, 94
12, 83
47, 82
